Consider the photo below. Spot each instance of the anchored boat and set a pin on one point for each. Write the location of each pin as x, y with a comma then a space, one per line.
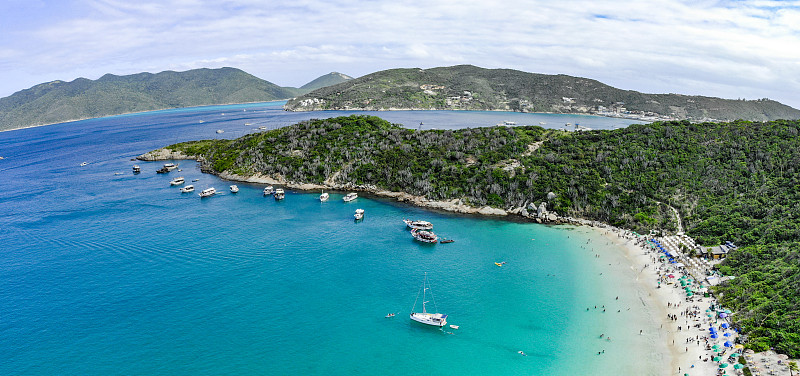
424, 236
419, 225
424, 317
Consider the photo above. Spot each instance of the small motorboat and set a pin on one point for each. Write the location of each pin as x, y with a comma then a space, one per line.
234, 189
220, 131
389, 315
187, 189
500, 263
446, 241
359, 215
454, 326
279, 194
84, 164
208, 192
194, 180
350, 197
324, 196
268, 190
136, 169
177, 181
170, 166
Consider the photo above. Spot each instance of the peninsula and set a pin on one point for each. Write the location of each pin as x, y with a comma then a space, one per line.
731, 181
466, 87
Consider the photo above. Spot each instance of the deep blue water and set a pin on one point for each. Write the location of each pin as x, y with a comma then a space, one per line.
121, 274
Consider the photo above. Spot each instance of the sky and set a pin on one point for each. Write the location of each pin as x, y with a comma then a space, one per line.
731, 49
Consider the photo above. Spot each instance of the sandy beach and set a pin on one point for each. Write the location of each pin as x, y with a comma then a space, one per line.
684, 320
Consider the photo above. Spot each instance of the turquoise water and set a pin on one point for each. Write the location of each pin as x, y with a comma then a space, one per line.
122, 274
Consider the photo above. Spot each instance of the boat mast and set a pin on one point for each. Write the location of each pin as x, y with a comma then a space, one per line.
424, 282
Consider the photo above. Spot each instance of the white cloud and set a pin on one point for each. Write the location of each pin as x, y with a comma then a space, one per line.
731, 49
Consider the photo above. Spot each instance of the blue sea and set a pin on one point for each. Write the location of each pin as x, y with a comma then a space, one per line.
103, 272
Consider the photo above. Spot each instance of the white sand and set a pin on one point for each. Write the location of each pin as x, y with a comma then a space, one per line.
683, 356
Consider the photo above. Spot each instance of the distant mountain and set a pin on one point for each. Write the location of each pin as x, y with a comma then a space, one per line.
466, 87
329, 79
60, 101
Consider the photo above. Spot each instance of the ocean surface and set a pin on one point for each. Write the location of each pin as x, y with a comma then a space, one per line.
104, 272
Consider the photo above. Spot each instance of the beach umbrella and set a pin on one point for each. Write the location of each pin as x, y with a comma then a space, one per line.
723, 315
734, 355
728, 344
723, 365
712, 329
738, 366
717, 358
738, 347
714, 335
724, 325
727, 334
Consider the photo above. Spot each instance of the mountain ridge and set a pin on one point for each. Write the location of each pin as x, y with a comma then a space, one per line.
63, 101
467, 87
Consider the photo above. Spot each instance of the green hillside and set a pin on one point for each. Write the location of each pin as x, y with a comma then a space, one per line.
329, 79
466, 87
737, 181
60, 101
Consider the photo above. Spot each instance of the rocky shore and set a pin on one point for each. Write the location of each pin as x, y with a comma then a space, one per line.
531, 211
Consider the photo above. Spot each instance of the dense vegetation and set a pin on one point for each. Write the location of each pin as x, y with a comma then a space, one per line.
329, 79
468, 87
59, 101
737, 181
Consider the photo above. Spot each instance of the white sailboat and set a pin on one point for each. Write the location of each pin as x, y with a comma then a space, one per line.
425, 317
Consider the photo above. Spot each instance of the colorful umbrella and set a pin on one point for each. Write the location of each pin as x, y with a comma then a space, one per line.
723, 365
717, 358
738, 366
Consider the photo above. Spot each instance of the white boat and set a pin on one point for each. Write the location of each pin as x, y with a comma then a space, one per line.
234, 189
435, 319
419, 225
187, 189
170, 166
208, 192
454, 326
359, 214
424, 236
136, 169
279, 194
350, 197
220, 131
84, 164
324, 196
268, 190
177, 181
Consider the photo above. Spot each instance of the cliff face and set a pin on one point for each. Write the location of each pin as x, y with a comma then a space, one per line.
466, 87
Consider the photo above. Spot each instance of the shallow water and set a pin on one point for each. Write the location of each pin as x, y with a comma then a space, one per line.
122, 274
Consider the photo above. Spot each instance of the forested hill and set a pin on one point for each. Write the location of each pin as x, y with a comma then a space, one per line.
329, 79
60, 101
736, 181
466, 87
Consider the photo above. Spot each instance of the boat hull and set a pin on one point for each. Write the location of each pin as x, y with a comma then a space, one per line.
433, 319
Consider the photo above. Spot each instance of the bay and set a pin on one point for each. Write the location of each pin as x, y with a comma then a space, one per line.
106, 272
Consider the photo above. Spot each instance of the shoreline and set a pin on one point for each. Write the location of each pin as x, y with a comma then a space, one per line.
134, 113
677, 315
